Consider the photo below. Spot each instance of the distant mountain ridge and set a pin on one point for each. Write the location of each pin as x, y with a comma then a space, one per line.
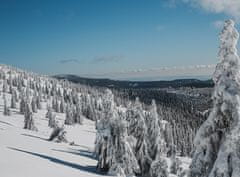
109, 83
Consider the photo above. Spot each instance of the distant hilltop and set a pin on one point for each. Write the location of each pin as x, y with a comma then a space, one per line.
109, 83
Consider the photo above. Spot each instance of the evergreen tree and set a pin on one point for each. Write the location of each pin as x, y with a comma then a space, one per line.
29, 121
34, 105
122, 158
13, 101
69, 120
155, 139
6, 110
217, 141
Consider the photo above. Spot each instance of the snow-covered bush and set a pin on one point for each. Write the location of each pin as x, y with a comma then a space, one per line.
58, 135
159, 168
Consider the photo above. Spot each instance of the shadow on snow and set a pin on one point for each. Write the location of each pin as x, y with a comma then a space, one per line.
89, 169
83, 153
33, 136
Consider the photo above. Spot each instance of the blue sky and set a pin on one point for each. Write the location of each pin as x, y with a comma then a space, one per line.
113, 38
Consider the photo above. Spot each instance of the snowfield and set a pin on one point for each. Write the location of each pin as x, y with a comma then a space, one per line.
27, 153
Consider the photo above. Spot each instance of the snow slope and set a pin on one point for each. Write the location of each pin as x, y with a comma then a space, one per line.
25, 153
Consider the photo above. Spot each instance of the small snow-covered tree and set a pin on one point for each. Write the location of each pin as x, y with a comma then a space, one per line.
69, 120
78, 113
6, 110
29, 120
217, 141
175, 167
58, 135
62, 106
13, 101
159, 168
34, 105
38, 102
22, 105
51, 119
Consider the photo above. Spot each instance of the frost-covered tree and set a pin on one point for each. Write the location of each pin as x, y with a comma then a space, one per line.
34, 105
13, 101
122, 158
78, 113
29, 120
22, 105
6, 110
159, 168
103, 134
51, 119
138, 130
218, 139
38, 102
62, 106
175, 167
69, 120
155, 139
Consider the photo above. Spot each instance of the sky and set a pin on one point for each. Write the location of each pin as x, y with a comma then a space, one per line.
120, 39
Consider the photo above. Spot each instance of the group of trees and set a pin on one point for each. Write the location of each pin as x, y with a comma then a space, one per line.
132, 141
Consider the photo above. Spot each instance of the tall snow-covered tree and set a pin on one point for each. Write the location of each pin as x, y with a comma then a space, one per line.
6, 110
138, 129
155, 139
34, 104
29, 120
103, 134
122, 158
22, 104
69, 120
218, 139
13, 101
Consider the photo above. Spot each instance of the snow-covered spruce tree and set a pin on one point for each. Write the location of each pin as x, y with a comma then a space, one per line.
6, 110
51, 119
69, 120
13, 101
49, 111
22, 105
138, 129
155, 140
159, 168
218, 139
122, 159
34, 105
175, 167
62, 105
29, 121
103, 134
38, 102
78, 113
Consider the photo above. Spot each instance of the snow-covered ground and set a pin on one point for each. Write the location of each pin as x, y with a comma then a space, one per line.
25, 153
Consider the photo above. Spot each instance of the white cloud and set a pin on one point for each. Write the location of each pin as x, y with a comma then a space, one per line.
229, 7
105, 59
193, 70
